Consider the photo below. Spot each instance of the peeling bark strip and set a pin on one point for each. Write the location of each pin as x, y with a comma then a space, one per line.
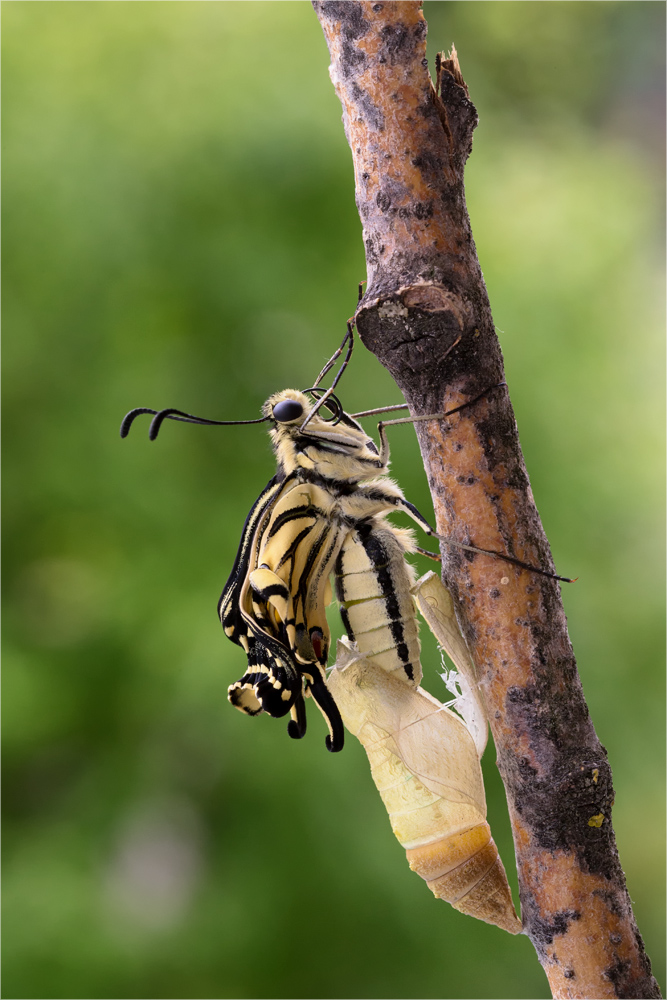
425, 288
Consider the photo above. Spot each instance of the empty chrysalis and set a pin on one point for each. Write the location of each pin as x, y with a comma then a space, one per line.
425, 763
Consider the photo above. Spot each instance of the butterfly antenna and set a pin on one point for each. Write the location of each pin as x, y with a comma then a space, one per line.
130, 417
171, 414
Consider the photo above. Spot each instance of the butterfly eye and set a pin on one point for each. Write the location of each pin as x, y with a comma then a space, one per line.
287, 409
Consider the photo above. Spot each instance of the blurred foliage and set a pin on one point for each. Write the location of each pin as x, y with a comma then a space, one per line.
180, 229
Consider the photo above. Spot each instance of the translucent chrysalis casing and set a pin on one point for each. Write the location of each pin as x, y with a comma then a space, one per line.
425, 764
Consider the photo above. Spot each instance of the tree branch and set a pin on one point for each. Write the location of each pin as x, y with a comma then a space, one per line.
425, 289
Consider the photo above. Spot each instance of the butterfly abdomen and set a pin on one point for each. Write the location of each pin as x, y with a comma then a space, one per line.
373, 582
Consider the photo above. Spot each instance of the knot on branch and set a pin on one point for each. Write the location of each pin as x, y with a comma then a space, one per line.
427, 335
417, 329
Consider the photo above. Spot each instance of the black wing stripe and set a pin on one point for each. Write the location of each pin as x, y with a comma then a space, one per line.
290, 552
294, 514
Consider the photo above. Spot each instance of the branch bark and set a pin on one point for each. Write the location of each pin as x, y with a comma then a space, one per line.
409, 145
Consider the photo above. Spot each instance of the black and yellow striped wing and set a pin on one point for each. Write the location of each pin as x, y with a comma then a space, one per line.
233, 621
296, 554
273, 605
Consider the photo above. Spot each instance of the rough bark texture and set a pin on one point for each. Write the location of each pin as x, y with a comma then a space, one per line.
425, 289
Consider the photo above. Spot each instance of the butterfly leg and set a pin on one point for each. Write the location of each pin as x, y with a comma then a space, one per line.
328, 708
296, 727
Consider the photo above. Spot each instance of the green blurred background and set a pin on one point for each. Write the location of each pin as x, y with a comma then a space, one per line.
180, 230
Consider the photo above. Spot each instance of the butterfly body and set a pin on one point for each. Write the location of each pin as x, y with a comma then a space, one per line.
323, 513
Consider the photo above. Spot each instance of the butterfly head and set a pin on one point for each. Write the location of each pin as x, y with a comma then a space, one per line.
337, 448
